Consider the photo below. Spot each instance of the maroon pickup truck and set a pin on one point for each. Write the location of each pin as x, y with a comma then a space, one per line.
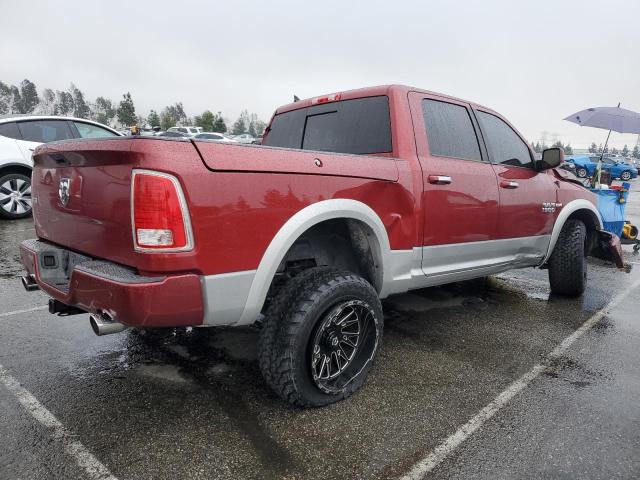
352, 197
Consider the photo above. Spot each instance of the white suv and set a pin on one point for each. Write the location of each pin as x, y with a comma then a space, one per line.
19, 136
191, 131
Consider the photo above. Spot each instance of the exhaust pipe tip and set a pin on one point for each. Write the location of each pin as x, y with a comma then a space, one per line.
103, 324
29, 283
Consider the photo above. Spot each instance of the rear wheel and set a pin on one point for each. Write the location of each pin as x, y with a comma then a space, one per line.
626, 175
581, 172
568, 262
15, 196
320, 337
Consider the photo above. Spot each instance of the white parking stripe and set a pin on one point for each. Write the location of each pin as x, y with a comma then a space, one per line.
83, 457
451, 443
26, 310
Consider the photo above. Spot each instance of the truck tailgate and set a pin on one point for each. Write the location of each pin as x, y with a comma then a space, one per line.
82, 192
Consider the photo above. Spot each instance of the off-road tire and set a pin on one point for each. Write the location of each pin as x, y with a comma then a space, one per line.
581, 172
288, 329
8, 179
568, 263
626, 175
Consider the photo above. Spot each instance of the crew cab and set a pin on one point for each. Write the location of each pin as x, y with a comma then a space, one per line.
352, 197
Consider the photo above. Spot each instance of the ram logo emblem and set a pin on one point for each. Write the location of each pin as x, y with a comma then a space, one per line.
64, 189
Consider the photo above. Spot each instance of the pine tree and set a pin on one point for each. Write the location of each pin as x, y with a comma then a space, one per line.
15, 102
5, 98
219, 125
568, 150
206, 121
153, 119
636, 152
63, 104
29, 96
593, 148
127, 111
625, 151
103, 111
80, 107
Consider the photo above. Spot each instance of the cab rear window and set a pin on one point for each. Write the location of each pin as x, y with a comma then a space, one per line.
360, 126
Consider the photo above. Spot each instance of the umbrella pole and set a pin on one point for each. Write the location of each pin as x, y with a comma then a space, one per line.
600, 160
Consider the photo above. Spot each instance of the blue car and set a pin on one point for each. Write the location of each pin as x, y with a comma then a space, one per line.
586, 166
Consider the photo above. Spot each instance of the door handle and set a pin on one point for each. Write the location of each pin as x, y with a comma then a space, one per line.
439, 179
509, 184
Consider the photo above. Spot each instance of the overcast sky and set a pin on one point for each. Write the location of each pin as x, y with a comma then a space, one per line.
533, 61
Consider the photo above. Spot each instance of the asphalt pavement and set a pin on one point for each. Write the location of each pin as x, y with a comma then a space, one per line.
452, 394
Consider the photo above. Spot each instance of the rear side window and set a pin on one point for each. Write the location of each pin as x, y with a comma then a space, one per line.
450, 130
504, 145
88, 130
360, 126
9, 130
44, 131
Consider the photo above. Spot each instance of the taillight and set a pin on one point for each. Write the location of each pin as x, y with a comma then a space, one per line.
159, 213
334, 97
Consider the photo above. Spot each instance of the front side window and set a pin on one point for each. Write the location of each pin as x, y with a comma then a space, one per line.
88, 130
44, 131
504, 145
359, 126
450, 130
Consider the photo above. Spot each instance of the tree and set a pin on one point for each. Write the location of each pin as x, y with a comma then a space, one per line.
126, 111
636, 152
599, 149
625, 151
206, 121
15, 103
29, 96
177, 112
80, 107
167, 120
47, 102
241, 125
614, 151
219, 125
568, 150
103, 111
63, 104
593, 148
5, 98
153, 119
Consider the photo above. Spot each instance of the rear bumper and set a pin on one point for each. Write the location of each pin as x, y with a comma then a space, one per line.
99, 286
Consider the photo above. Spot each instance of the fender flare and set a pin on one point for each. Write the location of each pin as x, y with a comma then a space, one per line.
570, 208
291, 231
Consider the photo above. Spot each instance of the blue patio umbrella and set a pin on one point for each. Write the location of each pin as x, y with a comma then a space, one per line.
614, 119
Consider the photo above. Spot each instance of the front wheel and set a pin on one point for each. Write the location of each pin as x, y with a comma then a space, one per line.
15, 196
626, 175
320, 337
581, 172
568, 262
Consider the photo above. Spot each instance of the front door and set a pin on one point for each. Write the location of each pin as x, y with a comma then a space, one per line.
460, 193
527, 197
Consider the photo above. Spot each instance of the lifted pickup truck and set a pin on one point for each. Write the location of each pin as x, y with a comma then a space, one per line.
352, 197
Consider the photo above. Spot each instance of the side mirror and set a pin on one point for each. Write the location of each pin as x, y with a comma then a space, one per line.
551, 158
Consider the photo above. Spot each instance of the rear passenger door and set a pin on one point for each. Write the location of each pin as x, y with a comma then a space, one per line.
460, 193
523, 190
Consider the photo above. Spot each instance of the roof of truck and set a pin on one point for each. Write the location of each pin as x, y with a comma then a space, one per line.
371, 92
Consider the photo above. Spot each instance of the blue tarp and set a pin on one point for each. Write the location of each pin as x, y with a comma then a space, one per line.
611, 209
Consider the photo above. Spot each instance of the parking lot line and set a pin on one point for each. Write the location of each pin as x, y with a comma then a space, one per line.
451, 443
26, 310
83, 457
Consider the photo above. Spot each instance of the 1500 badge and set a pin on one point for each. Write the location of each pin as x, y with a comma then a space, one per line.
550, 207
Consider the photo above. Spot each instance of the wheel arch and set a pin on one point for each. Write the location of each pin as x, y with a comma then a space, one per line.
15, 168
579, 209
362, 217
